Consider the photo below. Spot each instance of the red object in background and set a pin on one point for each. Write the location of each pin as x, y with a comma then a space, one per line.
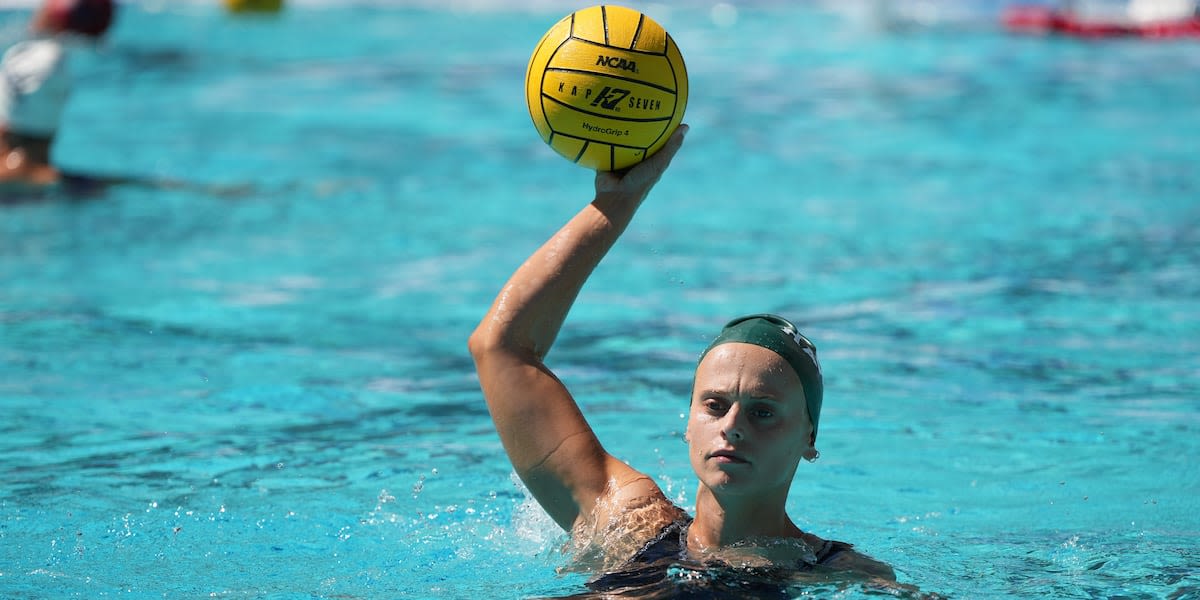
1045, 21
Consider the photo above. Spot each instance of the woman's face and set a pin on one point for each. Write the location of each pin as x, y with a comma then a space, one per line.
748, 425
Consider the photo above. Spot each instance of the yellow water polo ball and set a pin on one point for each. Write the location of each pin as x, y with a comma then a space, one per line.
262, 6
606, 86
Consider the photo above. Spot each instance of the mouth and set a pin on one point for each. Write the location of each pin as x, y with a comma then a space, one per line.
728, 457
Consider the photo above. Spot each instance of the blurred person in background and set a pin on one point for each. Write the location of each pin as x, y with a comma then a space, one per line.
35, 85
1134, 12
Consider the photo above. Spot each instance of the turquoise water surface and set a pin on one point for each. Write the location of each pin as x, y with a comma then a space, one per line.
250, 379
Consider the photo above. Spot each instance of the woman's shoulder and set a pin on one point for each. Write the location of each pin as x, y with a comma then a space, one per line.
841, 556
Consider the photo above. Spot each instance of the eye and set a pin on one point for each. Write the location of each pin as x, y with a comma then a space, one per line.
763, 413
715, 406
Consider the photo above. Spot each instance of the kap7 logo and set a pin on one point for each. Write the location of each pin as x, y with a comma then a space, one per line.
610, 97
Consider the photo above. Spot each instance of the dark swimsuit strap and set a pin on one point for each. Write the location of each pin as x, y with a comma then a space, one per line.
830, 549
671, 542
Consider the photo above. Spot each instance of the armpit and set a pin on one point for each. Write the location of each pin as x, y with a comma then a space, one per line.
624, 520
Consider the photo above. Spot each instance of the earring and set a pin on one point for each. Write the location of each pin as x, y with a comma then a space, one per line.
816, 455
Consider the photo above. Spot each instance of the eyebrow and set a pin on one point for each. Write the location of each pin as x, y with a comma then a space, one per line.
768, 394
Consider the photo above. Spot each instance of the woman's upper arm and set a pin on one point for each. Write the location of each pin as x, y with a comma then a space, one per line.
548, 440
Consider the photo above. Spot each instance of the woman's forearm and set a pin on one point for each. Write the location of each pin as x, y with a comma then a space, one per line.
531, 307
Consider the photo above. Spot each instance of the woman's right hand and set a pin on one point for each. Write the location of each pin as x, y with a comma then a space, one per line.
636, 181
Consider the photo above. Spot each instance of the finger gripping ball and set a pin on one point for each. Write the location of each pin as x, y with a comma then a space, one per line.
606, 86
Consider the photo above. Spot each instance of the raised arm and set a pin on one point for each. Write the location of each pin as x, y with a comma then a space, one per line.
549, 442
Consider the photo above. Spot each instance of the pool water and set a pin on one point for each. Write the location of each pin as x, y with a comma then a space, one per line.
252, 381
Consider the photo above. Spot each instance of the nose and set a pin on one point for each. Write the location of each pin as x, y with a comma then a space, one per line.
732, 428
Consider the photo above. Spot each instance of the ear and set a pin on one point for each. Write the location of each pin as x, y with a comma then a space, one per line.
687, 423
810, 453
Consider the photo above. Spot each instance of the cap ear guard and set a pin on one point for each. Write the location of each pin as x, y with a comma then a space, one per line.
780, 336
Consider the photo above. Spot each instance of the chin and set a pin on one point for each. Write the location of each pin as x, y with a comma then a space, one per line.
725, 483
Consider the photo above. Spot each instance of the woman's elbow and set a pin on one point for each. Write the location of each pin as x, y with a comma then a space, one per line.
481, 342
490, 337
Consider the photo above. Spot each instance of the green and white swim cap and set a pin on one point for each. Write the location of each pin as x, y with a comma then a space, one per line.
780, 336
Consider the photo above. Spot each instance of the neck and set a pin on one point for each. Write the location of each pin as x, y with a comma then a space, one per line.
722, 520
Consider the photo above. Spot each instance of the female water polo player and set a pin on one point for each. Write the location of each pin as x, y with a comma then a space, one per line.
754, 411
35, 85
